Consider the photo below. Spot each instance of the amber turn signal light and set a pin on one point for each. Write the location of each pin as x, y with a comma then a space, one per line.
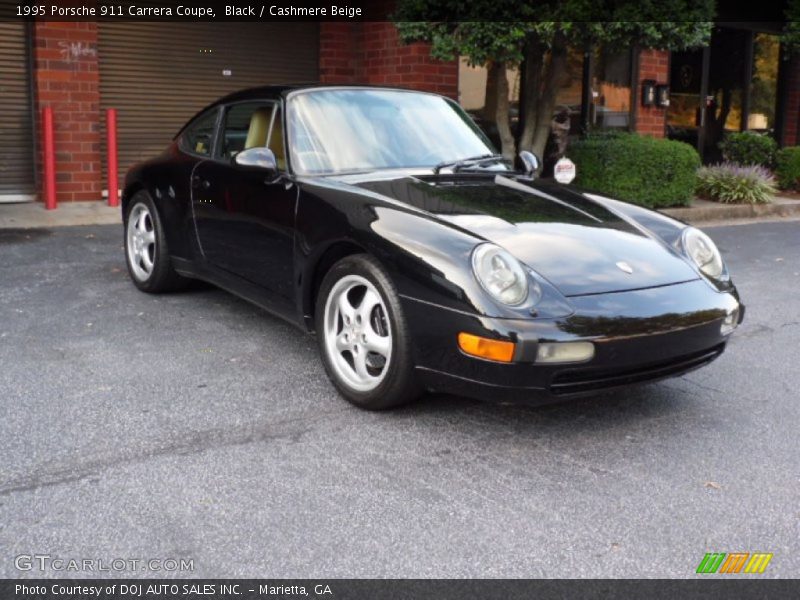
496, 350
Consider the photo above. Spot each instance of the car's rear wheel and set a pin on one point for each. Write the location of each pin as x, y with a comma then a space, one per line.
363, 337
146, 248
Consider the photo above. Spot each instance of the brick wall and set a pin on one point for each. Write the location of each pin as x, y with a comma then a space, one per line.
66, 78
371, 53
653, 64
340, 52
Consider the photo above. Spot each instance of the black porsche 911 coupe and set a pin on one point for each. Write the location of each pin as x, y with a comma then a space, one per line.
384, 221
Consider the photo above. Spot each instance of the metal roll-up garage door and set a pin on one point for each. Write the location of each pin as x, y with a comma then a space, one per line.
16, 124
159, 74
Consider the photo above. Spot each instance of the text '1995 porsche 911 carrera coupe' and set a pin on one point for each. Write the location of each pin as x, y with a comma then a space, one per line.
384, 221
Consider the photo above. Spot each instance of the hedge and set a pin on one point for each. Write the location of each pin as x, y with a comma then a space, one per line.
643, 170
748, 148
787, 168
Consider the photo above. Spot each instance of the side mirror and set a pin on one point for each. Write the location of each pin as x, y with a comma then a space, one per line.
259, 158
530, 162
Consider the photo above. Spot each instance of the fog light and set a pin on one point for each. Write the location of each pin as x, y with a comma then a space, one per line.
730, 322
481, 347
565, 352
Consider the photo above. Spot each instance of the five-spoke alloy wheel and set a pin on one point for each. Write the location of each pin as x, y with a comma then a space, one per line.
358, 336
141, 241
363, 336
146, 249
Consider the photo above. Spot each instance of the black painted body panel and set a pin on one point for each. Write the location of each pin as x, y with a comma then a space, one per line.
269, 240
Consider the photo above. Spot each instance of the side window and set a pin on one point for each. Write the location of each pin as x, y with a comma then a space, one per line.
246, 126
253, 125
199, 136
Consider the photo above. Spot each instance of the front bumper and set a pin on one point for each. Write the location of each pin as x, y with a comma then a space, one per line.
639, 336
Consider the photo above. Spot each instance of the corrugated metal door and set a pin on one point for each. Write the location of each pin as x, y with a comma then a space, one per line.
159, 74
16, 124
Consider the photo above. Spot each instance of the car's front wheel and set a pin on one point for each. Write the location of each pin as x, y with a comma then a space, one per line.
363, 337
146, 248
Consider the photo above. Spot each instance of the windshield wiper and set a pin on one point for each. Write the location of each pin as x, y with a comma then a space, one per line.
464, 163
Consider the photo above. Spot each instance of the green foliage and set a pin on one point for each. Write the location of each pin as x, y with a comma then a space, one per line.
642, 170
733, 184
787, 168
499, 30
791, 31
748, 148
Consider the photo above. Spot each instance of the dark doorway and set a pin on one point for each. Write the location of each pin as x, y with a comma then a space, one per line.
725, 87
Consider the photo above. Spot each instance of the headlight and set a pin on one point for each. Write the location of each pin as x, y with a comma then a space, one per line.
703, 252
500, 274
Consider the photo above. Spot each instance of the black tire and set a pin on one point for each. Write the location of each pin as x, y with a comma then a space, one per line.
162, 276
397, 386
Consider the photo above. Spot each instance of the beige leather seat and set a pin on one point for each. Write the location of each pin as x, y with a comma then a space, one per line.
276, 142
259, 126
257, 134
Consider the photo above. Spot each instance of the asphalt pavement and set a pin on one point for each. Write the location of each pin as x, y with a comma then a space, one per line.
195, 426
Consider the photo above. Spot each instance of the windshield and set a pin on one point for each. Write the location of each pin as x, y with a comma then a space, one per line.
356, 130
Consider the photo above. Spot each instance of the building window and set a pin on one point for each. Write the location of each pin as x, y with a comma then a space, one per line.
607, 105
764, 85
610, 100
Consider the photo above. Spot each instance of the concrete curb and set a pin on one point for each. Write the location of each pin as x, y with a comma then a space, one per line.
703, 211
33, 215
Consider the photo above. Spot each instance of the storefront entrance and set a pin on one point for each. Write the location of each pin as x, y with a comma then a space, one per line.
730, 85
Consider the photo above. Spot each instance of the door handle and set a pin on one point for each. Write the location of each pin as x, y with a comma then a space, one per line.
199, 182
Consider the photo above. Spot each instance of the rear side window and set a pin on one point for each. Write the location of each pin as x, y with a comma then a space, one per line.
199, 136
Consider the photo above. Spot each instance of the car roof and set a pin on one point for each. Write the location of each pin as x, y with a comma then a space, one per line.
272, 91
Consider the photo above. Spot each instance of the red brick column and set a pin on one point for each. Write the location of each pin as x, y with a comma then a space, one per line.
67, 79
653, 65
371, 53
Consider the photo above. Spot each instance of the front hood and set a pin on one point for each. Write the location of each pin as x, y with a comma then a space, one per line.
568, 238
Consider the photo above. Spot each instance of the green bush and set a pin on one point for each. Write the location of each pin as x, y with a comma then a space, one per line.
732, 183
787, 167
643, 170
748, 148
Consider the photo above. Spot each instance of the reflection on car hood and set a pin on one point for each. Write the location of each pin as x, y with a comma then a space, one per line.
575, 242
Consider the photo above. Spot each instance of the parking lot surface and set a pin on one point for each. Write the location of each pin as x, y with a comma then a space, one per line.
196, 426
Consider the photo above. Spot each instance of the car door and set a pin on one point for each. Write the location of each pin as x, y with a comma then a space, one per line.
245, 217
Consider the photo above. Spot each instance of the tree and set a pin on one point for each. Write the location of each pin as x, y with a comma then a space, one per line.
791, 30
536, 36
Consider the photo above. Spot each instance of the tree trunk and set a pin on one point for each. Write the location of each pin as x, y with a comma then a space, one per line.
553, 78
497, 73
489, 110
534, 59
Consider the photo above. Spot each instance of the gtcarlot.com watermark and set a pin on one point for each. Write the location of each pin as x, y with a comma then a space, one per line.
59, 564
